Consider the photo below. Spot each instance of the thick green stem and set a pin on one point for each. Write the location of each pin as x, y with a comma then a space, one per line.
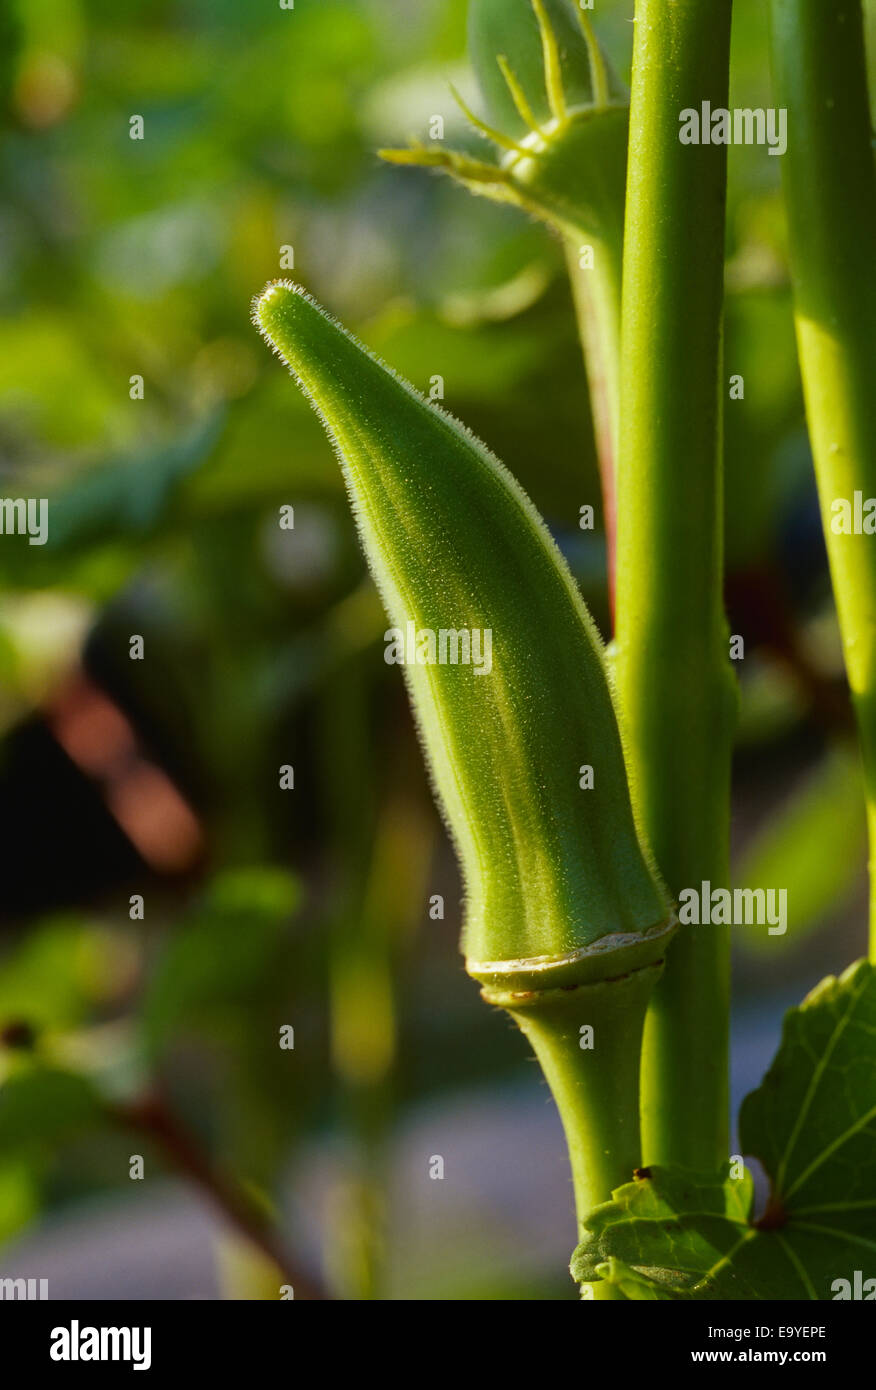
588, 1040
830, 191
673, 673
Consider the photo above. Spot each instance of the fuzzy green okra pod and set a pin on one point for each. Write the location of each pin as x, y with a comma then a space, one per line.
566, 921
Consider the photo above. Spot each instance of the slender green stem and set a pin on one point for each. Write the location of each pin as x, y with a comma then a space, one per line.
597, 297
593, 1076
830, 191
674, 681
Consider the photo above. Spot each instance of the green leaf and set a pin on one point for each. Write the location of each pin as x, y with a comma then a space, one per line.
60, 972
812, 1124
42, 1107
455, 545
130, 496
124, 500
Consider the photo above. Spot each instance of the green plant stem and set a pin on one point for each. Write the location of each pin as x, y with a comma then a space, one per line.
596, 1088
820, 76
597, 298
673, 674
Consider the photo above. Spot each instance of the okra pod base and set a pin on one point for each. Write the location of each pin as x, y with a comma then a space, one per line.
587, 1036
607, 958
